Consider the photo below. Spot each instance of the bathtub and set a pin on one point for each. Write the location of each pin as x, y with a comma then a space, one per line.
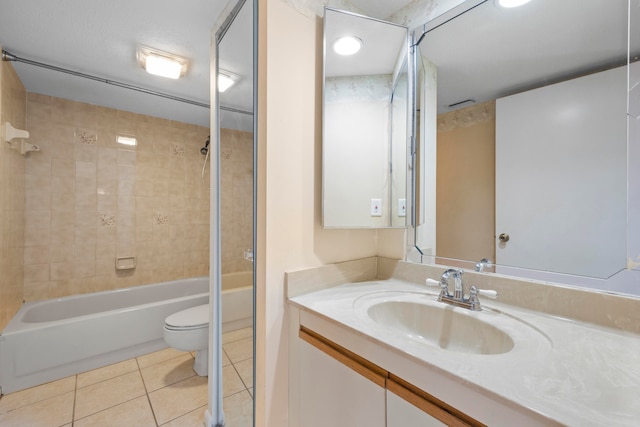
52, 339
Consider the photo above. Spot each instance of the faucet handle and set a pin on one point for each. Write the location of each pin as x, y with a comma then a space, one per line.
433, 282
444, 289
489, 293
473, 296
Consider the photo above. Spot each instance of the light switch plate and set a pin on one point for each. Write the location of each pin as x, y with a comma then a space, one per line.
376, 207
402, 207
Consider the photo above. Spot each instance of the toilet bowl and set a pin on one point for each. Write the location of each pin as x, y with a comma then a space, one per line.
188, 330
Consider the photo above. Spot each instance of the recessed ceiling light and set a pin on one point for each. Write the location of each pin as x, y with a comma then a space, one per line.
226, 79
511, 3
161, 63
347, 45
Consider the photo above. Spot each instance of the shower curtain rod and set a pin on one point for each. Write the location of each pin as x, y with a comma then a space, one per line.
7, 56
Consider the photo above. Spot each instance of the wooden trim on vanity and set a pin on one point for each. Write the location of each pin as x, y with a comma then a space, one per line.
430, 404
357, 363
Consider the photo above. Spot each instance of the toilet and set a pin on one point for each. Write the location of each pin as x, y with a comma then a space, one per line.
188, 330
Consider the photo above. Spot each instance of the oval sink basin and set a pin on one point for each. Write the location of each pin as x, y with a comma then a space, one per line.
441, 325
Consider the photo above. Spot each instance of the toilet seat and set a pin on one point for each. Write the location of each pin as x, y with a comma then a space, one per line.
189, 319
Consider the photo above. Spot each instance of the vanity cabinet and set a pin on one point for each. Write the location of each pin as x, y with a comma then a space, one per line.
342, 389
401, 413
335, 390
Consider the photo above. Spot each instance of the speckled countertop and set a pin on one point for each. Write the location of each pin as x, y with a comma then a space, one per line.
572, 372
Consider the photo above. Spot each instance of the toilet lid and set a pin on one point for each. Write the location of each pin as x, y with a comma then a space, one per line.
190, 318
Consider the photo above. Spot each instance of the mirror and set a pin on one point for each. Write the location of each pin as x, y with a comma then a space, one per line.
524, 114
236, 150
362, 94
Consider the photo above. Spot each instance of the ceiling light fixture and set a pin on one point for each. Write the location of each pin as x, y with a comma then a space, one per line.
226, 79
347, 45
511, 3
161, 63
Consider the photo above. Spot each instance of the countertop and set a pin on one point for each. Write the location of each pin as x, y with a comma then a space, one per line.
572, 372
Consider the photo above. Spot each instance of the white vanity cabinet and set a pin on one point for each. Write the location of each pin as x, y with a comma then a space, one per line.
401, 413
333, 393
339, 388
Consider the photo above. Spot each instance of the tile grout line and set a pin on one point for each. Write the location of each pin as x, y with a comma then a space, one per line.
73, 407
144, 383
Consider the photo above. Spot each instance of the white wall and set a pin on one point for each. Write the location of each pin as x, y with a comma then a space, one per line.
289, 235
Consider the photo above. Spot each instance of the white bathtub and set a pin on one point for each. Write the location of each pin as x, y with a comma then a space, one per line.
52, 339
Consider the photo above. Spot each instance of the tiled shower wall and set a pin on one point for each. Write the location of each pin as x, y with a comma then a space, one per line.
236, 199
90, 199
12, 191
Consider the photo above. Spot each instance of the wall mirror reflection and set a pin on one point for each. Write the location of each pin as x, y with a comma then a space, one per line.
111, 217
235, 160
527, 129
364, 122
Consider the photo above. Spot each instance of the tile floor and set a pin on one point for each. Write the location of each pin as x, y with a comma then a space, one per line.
156, 389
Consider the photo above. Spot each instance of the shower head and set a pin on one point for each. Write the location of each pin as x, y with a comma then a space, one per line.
204, 150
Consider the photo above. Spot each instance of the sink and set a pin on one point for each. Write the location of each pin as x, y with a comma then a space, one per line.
418, 318
444, 326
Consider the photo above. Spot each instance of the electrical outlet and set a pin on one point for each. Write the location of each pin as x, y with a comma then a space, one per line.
376, 207
402, 207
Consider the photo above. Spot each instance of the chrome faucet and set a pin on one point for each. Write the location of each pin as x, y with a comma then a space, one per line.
484, 262
457, 298
458, 292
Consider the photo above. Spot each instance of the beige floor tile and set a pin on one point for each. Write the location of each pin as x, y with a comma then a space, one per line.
158, 356
105, 394
236, 335
238, 410
192, 419
136, 412
31, 395
239, 350
231, 382
106, 373
179, 399
168, 372
225, 359
52, 412
245, 370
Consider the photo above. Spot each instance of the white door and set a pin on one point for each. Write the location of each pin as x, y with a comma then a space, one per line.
561, 176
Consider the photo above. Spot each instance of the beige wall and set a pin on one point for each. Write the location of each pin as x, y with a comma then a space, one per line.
12, 110
289, 195
89, 199
465, 183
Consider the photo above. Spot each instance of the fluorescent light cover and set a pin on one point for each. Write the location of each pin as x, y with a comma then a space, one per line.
224, 82
512, 3
347, 45
226, 79
127, 140
161, 63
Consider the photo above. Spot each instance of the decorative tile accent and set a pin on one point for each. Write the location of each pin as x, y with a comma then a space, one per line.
86, 136
160, 218
106, 220
177, 150
226, 153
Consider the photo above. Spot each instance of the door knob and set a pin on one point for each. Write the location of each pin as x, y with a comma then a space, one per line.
503, 237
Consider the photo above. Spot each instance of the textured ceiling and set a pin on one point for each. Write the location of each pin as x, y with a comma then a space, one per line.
100, 38
490, 52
